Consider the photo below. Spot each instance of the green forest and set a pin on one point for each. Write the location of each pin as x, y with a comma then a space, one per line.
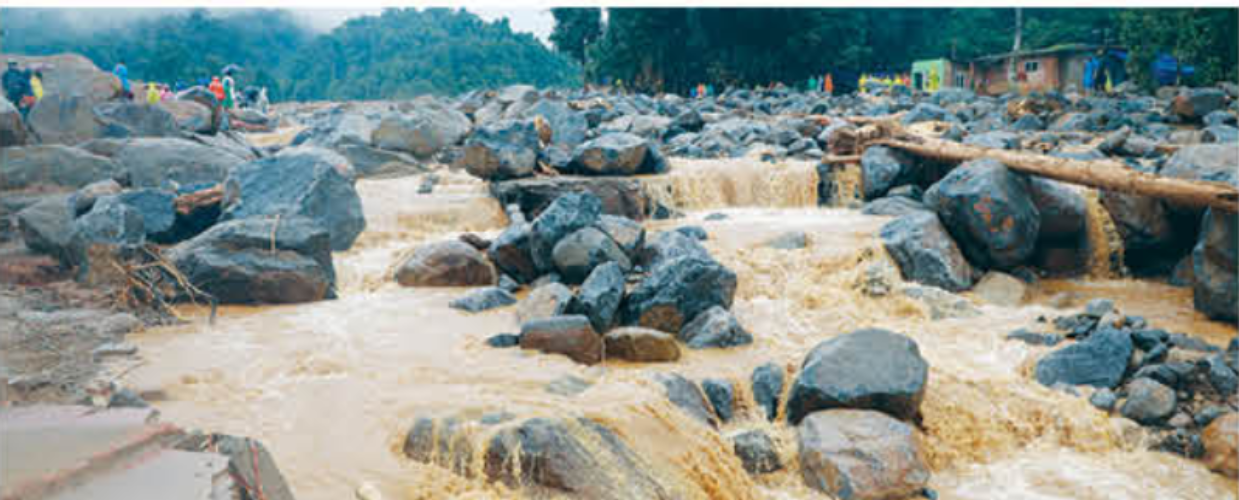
674, 49
398, 54
406, 52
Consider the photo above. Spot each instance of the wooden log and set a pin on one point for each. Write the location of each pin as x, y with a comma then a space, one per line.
840, 159
1107, 174
187, 203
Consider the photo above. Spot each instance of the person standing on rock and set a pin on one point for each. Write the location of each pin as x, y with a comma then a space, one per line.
17, 88
263, 102
36, 85
217, 89
230, 99
829, 85
122, 74
152, 93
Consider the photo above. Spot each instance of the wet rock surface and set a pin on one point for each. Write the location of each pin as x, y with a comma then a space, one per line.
860, 454
866, 369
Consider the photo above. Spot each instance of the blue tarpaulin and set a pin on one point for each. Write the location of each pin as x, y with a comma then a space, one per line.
1167, 69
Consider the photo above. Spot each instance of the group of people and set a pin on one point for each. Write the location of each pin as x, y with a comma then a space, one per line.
824, 84
22, 87
869, 82
224, 90
702, 90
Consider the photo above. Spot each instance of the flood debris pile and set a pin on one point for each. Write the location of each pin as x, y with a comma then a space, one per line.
598, 287
1175, 385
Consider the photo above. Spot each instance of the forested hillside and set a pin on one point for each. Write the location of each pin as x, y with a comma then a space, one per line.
401, 53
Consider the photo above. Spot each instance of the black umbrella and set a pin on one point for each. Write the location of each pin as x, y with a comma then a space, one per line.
231, 68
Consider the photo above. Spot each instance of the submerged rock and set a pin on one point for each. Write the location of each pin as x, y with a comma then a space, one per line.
600, 295
757, 452
768, 388
446, 263
1148, 401
866, 369
714, 328
483, 300
721, 395
684, 394
1215, 265
860, 455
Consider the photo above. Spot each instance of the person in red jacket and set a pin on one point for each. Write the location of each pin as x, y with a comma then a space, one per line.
217, 88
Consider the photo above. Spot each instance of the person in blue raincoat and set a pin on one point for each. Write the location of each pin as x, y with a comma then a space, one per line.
122, 74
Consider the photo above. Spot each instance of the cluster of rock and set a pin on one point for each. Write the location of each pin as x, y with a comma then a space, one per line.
1184, 390
982, 216
855, 405
634, 298
100, 179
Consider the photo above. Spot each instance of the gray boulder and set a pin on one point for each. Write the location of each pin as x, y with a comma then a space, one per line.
1148, 401
1194, 104
47, 227
578, 254
568, 127
600, 295
714, 328
614, 154
988, 211
1215, 267
883, 168
130, 119
424, 128
622, 197
676, 291
157, 211
296, 185
112, 222
483, 299
669, 245
925, 253
1099, 360
893, 206
167, 162
501, 150
571, 336
66, 119
547, 300
511, 253
569, 213
52, 166
869, 369
685, 394
767, 388
234, 263
627, 233
13, 130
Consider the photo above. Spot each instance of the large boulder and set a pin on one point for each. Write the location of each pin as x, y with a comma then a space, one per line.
1221, 441
883, 168
190, 116
619, 154
373, 162
12, 126
568, 214
72, 74
621, 197
1215, 266
158, 212
446, 263
112, 222
47, 227
576, 255
567, 127
571, 336
424, 128
501, 150
234, 262
1099, 360
861, 455
1194, 104
1063, 211
870, 369
669, 245
293, 185
167, 162
52, 166
987, 209
1204, 162
627, 233
600, 295
676, 291
925, 253
65, 119
130, 119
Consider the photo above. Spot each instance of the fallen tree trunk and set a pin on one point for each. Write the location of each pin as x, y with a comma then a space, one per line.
1109, 175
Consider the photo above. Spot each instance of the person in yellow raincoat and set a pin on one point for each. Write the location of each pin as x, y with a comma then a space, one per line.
152, 93
36, 85
862, 83
933, 80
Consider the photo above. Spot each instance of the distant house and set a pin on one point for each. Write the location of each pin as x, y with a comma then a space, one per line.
934, 74
1053, 68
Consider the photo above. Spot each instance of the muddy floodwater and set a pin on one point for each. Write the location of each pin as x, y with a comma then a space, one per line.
332, 387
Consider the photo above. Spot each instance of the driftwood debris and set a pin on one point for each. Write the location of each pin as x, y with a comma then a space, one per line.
1107, 174
187, 203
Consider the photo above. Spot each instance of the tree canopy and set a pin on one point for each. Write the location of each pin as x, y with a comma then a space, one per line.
398, 54
674, 49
